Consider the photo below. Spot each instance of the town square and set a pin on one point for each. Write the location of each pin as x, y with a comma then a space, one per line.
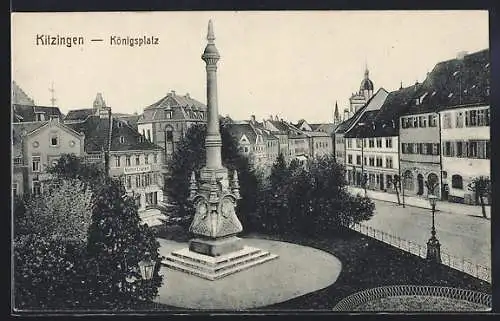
251, 162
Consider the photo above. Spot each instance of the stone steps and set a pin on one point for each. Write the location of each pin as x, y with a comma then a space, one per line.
216, 268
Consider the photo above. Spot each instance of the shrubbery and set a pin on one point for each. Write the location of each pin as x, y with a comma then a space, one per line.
79, 243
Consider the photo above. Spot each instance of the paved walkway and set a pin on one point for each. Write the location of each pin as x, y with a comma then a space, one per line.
443, 206
297, 271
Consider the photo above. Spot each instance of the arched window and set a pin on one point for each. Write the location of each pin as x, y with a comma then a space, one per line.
432, 179
457, 182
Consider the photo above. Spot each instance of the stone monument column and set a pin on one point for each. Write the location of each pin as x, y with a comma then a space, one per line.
215, 223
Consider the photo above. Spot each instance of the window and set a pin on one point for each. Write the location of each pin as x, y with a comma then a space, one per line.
417, 148
379, 142
371, 143
379, 161
137, 160
364, 141
149, 134
155, 158
358, 159
137, 181
415, 122
457, 182
127, 161
403, 148
54, 141
143, 180
365, 160
37, 188
18, 161
372, 161
459, 120
35, 161
129, 181
432, 120
14, 189
424, 149
122, 139
472, 149
447, 120
447, 149
445, 174
388, 162
349, 159
460, 151
117, 161
435, 149
388, 142
146, 159
168, 114
359, 141
422, 121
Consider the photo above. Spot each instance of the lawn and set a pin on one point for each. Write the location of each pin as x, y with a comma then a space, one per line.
366, 263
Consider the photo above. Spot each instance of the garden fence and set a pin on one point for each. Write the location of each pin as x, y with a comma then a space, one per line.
457, 263
353, 301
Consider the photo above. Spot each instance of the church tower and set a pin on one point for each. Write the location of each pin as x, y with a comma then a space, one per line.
364, 94
336, 115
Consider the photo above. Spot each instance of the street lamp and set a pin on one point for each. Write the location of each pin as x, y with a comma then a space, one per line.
433, 246
146, 267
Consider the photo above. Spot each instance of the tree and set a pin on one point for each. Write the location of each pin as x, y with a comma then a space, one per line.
397, 186
481, 186
190, 156
116, 244
70, 166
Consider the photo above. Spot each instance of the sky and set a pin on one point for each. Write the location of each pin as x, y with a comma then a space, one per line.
293, 64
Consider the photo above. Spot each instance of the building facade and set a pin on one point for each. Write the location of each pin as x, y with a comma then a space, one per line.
37, 146
165, 122
132, 158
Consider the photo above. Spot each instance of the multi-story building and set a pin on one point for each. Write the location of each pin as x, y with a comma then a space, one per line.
37, 146
132, 158
361, 148
166, 121
279, 129
464, 113
251, 142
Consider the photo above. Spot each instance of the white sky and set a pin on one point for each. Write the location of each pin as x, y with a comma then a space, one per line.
290, 63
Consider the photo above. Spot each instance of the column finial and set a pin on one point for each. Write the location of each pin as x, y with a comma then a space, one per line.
210, 33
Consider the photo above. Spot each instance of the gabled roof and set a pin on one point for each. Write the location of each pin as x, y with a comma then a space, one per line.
96, 132
182, 107
240, 129
280, 125
79, 114
327, 128
19, 97
266, 134
454, 83
27, 113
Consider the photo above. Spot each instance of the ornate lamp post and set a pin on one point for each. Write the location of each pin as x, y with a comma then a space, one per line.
146, 267
433, 246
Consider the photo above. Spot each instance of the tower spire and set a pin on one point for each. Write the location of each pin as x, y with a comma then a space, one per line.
210, 33
366, 70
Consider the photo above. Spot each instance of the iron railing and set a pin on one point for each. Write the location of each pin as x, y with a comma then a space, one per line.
457, 263
353, 301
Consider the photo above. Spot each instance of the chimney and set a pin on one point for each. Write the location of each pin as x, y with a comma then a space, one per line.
461, 55
173, 92
187, 95
276, 117
252, 119
270, 117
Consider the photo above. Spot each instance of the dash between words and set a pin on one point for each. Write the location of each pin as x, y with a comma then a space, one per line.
70, 41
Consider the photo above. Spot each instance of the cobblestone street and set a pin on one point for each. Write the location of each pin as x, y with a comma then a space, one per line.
462, 236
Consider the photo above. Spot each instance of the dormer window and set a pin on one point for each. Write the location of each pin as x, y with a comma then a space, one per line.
119, 124
40, 117
122, 139
168, 114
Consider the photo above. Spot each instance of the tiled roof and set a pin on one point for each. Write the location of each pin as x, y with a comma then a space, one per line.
27, 113
281, 126
367, 119
96, 132
341, 129
181, 106
79, 114
327, 128
238, 130
454, 83
266, 134
19, 97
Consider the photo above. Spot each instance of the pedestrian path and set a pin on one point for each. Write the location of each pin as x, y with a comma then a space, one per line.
442, 206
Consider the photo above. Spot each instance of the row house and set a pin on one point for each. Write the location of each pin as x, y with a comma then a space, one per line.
445, 136
365, 155
165, 122
321, 140
251, 142
36, 146
132, 158
279, 129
